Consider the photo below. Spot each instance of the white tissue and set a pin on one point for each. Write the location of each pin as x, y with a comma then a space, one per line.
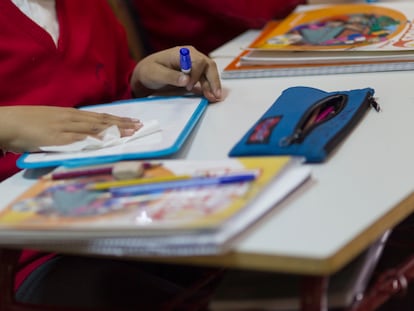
109, 137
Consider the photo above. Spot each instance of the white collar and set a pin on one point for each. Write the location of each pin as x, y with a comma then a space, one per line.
42, 12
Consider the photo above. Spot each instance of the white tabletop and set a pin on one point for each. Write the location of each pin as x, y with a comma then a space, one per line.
350, 201
353, 197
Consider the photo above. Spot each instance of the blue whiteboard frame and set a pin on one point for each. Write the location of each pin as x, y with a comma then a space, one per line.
170, 150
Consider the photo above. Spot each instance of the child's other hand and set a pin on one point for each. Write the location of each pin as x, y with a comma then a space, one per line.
162, 69
26, 128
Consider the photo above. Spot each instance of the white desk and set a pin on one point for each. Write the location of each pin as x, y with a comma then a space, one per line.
352, 199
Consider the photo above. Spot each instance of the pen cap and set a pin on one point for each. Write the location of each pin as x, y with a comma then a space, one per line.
185, 59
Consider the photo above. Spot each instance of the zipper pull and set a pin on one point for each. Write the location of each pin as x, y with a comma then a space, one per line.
375, 104
288, 140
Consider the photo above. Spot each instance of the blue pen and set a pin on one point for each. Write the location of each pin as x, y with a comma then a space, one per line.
180, 184
185, 60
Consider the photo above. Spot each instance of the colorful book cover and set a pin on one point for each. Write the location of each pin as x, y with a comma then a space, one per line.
384, 26
72, 205
387, 45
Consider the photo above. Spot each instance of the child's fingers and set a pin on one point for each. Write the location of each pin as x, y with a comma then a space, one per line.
213, 80
204, 70
95, 123
104, 118
169, 77
208, 91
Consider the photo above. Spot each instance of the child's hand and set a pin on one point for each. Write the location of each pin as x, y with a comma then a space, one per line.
162, 69
26, 128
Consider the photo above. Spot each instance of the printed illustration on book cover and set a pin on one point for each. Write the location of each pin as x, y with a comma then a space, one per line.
341, 27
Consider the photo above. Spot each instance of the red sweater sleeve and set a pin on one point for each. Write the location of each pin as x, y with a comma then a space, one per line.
91, 63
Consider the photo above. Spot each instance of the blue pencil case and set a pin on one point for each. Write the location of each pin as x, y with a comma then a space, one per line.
306, 122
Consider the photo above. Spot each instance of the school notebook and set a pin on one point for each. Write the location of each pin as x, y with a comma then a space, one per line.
168, 121
70, 214
331, 39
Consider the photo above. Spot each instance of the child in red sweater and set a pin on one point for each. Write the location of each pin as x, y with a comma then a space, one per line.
89, 63
56, 56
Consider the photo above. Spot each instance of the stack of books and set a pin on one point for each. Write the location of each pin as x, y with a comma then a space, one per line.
174, 207
331, 39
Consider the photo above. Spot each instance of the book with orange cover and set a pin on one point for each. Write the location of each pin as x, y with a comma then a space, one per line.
331, 39
75, 213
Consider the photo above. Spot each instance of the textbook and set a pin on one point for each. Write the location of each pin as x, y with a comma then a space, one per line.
183, 213
331, 39
168, 121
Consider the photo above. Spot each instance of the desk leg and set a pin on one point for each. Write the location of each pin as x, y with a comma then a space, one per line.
390, 283
314, 293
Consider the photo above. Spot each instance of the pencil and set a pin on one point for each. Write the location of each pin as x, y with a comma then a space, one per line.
180, 184
132, 182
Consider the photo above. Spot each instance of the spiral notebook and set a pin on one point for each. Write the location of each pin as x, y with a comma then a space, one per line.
331, 39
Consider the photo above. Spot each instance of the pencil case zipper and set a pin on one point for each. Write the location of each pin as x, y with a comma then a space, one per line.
314, 117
